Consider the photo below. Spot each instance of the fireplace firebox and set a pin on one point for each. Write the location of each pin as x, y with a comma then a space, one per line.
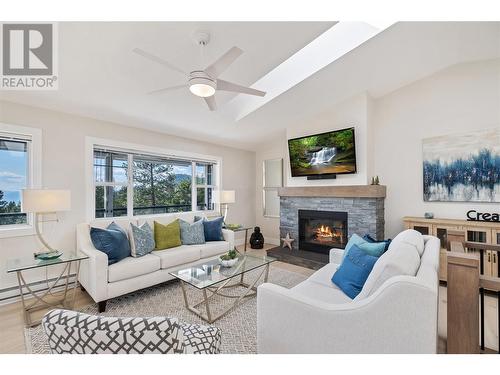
319, 231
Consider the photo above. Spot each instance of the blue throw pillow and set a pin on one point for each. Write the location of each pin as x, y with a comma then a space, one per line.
369, 238
375, 249
353, 272
112, 241
192, 234
212, 229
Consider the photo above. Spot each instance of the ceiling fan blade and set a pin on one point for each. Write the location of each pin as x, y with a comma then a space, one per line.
158, 60
210, 100
218, 67
167, 89
229, 86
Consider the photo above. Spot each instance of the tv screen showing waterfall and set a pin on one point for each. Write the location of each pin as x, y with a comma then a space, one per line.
326, 153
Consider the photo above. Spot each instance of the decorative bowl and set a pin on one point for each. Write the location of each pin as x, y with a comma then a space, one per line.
48, 256
233, 226
228, 263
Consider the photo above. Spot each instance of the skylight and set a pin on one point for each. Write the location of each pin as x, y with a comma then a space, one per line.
340, 39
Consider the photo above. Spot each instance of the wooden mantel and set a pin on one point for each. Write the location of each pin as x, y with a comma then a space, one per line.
354, 191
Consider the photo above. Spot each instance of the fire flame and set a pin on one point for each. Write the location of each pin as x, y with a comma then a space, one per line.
324, 231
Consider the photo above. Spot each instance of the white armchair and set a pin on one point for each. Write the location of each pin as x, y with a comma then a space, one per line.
400, 316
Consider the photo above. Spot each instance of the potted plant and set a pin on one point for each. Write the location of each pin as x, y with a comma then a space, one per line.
229, 259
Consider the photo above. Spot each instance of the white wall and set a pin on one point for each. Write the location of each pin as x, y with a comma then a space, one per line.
276, 149
463, 98
389, 137
63, 166
352, 112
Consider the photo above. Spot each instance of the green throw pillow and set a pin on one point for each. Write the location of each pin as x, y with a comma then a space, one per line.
167, 236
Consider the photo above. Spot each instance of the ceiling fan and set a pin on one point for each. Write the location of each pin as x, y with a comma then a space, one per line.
204, 83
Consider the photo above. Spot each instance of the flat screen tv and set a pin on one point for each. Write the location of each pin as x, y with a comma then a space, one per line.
326, 153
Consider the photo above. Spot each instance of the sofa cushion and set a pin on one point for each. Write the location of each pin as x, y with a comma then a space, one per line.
142, 240
167, 236
323, 276
112, 241
104, 223
177, 255
192, 233
372, 248
213, 248
320, 292
132, 267
401, 259
353, 272
411, 237
370, 239
212, 228
71, 332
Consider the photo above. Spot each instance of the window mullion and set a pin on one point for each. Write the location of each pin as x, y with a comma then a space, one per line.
130, 186
194, 191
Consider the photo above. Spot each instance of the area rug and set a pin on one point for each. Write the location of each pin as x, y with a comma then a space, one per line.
239, 327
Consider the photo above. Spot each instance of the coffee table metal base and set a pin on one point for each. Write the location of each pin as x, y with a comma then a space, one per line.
210, 292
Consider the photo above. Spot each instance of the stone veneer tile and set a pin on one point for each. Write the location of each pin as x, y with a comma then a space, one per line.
365, 215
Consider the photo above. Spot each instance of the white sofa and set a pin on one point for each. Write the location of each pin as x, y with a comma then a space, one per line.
396, 311
104, 282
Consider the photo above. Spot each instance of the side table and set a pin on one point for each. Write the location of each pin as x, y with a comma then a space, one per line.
40, 301
241, 229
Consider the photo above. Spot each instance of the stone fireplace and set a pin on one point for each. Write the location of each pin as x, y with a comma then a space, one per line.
319, 231
323, 217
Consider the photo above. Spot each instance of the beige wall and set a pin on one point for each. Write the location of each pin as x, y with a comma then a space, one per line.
63, 166
463, 98
389, 138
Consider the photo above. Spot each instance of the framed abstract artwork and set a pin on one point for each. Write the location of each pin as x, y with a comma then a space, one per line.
462, 167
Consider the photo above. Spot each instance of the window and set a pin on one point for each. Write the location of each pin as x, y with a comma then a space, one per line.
204, 186
14, 176
272, 181
161, 186
111, 183
134, 184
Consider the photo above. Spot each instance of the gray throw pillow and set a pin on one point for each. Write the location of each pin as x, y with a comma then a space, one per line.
142, 240
192, 234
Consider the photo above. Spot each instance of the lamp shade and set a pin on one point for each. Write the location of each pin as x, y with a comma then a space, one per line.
227, 196
45, 200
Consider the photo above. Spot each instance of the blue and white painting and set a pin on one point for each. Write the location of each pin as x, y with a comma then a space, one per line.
463, 167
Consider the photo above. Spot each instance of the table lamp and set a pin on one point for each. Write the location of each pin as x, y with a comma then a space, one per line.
226, 197
42, 202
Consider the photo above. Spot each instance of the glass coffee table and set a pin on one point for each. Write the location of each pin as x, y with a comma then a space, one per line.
212, 279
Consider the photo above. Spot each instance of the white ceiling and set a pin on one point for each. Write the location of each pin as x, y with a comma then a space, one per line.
100, 77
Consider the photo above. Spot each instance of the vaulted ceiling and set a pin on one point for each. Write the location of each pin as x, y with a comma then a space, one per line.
100, 77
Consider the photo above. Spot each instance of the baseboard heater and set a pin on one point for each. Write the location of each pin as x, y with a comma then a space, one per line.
10, 294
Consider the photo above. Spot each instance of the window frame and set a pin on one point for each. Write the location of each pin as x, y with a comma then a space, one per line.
130, 149
266, 188
33, 173
195, 186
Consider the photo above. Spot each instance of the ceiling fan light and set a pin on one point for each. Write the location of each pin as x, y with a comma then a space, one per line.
202, 89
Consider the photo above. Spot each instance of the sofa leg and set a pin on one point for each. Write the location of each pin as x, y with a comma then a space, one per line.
101, 306
82, 288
